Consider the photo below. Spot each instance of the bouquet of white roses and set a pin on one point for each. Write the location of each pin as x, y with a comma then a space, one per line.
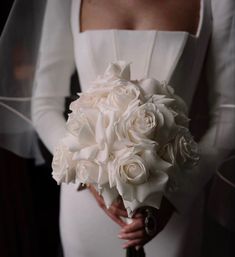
125, 137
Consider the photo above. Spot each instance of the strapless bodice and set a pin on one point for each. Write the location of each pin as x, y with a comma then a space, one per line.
172, 56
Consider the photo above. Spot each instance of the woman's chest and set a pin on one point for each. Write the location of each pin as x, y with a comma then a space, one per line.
169, 15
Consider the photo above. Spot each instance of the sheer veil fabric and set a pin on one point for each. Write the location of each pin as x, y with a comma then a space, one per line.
19, 57
19, 45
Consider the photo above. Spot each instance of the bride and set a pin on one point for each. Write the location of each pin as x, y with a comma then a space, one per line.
187, 44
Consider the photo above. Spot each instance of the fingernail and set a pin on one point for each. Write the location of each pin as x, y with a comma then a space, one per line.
120, 235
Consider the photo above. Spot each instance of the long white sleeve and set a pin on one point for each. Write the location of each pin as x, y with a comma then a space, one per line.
220, 137
56, 64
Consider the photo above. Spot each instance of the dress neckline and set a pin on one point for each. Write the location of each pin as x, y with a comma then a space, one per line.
76, 17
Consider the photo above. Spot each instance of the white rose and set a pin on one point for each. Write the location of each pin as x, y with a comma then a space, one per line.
90, 172
127, 166
181, 151
82, 125
114, 75
152, 87
178, 105
161, 99
173, 106
185, 149
63, 165
147, 121
98, 146
137, 175
166, 152
88, 100
122, 96
119, 69
133, 170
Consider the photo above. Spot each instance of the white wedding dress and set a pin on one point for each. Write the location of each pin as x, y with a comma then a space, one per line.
174, 56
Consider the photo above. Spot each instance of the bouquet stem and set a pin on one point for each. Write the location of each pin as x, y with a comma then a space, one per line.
132, 252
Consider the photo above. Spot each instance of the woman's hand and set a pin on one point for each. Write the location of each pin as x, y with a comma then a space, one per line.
135, 233
116, 211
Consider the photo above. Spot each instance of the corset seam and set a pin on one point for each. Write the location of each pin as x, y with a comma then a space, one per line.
92, 58
149, 54
115, 45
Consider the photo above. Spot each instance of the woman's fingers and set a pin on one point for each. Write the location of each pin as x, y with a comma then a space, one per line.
134, 233
140, 234
115, 212
137, 224
115, 218
118, 211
